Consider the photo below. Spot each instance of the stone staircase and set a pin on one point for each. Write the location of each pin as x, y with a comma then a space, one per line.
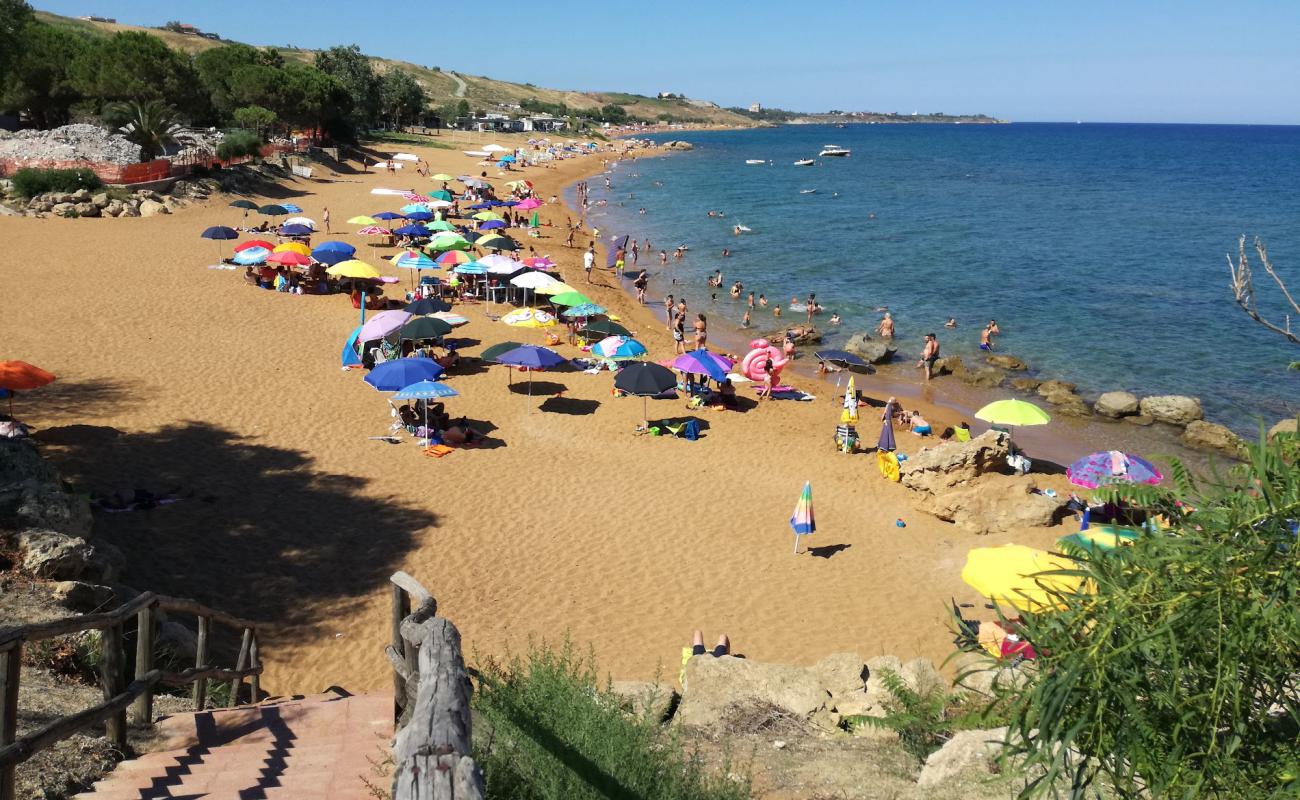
324, 747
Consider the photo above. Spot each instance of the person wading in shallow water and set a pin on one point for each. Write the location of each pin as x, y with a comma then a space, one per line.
929, 355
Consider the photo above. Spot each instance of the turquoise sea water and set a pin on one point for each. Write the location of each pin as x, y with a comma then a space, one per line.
1098, 248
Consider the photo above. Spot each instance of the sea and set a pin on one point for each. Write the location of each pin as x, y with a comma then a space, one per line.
1098, 248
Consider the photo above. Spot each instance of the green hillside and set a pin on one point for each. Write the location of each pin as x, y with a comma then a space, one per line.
445, 86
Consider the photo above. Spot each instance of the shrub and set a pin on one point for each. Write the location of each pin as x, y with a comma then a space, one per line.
239, 143
31, 182
553, 734
924, 718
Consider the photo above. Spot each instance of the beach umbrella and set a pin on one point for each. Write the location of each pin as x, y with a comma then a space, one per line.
531, 357
495, 242
539, 262
556, 288
413, 259
412, 230
426, 305
532, 280
454, 320
802, 520
449, 241
219, 233
412, 196
251, 256
335, 246
618, 348
886, 442
254, 243
288, 258
1014, 574
570, 298
1110, 467
483, 216
295, 230
453, 257
247, 205
519, 185
507, 160
382, 324
420, 216
306, 222
584, 310
19, 376
1101, 538
496, 148
393, 376
472, 268
1013, 412
529, 204
441, 194
413, 208
529, 318
440, 225
437, 205
292, 247
702, 362
291, 208
352, 268
842, 357
273, 210
442, 176
362, 220
645, 380
493, 352
388, 215
424, 328
491, 225
330, 257
604, 327
480, 206
426, 390
374, 230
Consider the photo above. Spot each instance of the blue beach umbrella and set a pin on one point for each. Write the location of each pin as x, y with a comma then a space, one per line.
251, 256
220, 232
420, 216
330, 257
472, 268
426, 390
702, 362
426, 305
387, 215
480, 206
296, 230
491, 225
291, 208
412, 230
414, 260
583, 310
531, 357
392, 376
618, 348
334, 245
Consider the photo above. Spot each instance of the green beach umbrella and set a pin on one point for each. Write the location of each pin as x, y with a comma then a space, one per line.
570, 299
247, 205
441, 194
424, 328
440, 225
448, 241
1013, 412
605, 327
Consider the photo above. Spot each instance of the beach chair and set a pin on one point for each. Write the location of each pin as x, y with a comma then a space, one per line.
846, 438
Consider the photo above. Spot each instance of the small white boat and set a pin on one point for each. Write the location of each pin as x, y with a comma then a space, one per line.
835, 150
755, 161
807, 191
804, 162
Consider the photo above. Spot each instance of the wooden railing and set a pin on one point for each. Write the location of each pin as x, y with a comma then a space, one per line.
118, 694
431, 693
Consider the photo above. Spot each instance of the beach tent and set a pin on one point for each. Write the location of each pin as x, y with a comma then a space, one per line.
351, 359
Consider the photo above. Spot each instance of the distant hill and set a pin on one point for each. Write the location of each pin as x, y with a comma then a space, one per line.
446, 86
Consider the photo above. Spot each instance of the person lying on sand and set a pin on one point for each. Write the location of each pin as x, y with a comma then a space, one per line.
722, 648
461, 434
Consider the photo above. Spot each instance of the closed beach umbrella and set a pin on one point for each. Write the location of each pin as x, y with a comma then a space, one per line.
352, 268
604, 327
427, 305
254, 243
645, 380
1013, 412
393, 376
802, 520
1112, 466
618, 348
292, 247
288, 258
273, 210
702, 362
381, 325
424, 328
531, 357
886, 442
1014, 574
250, 256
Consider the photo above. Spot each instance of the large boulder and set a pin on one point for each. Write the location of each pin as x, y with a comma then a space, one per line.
652, 701
1069, 404
994, 504
862, 344
1006, 362
1171, 408
114, 208
32, 494
1049, 388
844, 676
86, 209
150, 208
987, 377
1116, 404
1202, 435
948, 365
52, 555
967, 751
1286, 427
82, 597
938, 469
1026, 385
80, 196
100, 199
714, 688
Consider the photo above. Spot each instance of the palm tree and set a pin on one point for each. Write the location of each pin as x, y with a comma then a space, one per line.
151, 124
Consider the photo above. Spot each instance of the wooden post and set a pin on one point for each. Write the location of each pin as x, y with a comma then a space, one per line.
254, 661
245, 648
144, 663
113, 680
201, 662
401, 608
11, 664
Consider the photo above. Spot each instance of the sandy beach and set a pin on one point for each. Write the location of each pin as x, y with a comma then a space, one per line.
176, 376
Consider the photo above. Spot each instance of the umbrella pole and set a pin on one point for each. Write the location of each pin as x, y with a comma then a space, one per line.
796, 544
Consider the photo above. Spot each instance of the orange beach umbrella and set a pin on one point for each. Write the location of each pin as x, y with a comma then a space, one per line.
21, 376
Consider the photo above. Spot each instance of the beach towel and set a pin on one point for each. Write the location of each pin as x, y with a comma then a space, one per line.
888, 463
438, 450
961, 434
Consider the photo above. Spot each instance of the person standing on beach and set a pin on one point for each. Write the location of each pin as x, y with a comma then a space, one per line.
620, 258
325, 217
640, 283
668, 313
929, 355
986, 338
589, 260
886, 327
751, 301
635, 252
701, 332
679, 333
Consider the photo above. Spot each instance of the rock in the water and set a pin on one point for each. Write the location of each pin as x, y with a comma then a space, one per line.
1171, 408
949, 365
652, 701
149, 208
1286, 427
714, 686
984, 376
1116, 404
994, 504
82, 597
1052, 387
1026, 385
975, 750
874, 352
56, 556
677, 145
1006, 362
1069, 404
1202, 435
937, 469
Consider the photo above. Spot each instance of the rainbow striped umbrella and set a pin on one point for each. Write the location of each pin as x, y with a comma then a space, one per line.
802, 520
454, 257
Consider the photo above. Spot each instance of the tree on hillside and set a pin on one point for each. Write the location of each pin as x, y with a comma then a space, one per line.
255, 119
1243, 291
150, 124
352, 69
317, 100
15, 16
137, 66
38, 81
462, 108
216, 70
401, 97
613, 114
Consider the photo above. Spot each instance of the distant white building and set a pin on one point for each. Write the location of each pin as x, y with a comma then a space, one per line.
542, 122
755, 108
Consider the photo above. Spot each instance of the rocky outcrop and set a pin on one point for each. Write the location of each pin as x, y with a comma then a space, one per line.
1048, 388
1026, 385
966, 751
861, 344
1286, 427
57, 556
1062, 395
994, 504
32, 494
150, 208
949, 365
1140, 420
987, 377
715, 687
1006, 362
1116, 404
652, 701
1202, 435
1171, 408
938, 469
677, 145
82, 597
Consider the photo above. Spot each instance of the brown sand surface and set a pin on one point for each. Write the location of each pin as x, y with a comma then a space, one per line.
172, 375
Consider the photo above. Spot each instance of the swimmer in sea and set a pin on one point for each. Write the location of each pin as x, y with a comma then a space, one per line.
736, 289
776, 312
726, 253
762, 301
951, 323
744, 323
736, 230
835, 319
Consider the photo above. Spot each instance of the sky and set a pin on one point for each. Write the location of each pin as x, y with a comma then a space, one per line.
1026, 60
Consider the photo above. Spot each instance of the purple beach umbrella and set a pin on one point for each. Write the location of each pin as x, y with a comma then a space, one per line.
1112, 466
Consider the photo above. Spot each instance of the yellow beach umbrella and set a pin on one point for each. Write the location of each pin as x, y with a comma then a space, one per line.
293, 247
353, 268
1010, 574
529, 318
484, 216
1013, 412
363, 220
556, 288
442, 176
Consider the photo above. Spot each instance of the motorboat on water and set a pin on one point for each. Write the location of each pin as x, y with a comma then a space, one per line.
835, 151
807, 191
755, 161
804, 162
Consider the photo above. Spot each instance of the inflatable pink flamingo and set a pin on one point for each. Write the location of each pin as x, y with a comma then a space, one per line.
752, 365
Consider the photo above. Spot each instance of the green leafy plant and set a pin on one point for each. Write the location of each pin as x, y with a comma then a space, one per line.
552, 733
31, 182
150, 124
239, 143
1175, 670
924, 717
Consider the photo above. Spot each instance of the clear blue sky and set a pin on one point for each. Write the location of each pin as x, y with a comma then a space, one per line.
1107, 60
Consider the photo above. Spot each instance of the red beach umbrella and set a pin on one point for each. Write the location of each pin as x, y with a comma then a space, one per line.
254, 243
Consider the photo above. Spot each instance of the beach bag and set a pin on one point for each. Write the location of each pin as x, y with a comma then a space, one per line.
692, 430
